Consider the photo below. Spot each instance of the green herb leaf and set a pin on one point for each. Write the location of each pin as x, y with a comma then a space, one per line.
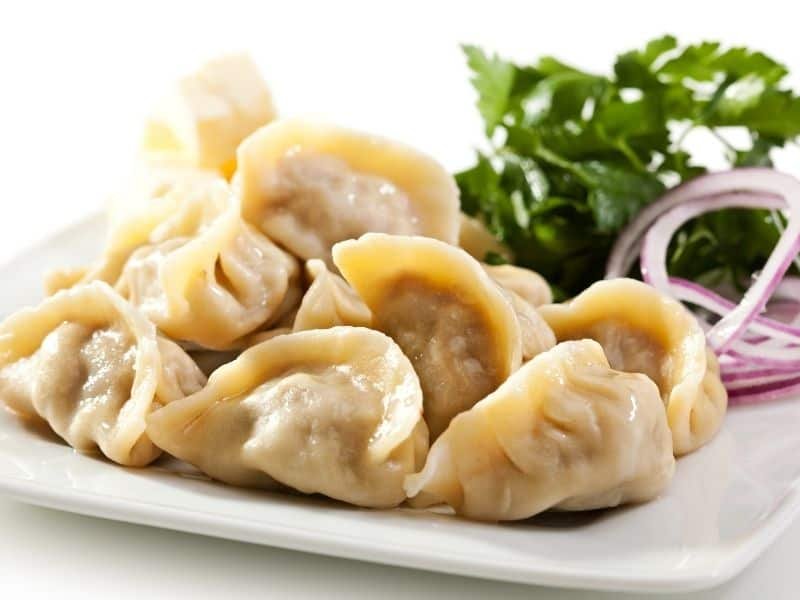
776, 115
617, 193
583, 153
634, 69
758, 155
493, 79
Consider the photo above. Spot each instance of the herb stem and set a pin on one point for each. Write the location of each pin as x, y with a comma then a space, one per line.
728, 146
678, 145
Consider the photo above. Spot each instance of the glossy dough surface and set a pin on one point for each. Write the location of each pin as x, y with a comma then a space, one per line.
643, 331
564, 431
159, 202
335, 411
454, 323
310, 185
527, 284
214, 288
535, 333
92, 367
478, 241
329, 301
526, 290
289, 304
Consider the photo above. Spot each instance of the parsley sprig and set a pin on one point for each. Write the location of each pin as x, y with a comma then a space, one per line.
575, 155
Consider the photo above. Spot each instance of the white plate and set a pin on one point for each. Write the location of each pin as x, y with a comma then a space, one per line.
728, 501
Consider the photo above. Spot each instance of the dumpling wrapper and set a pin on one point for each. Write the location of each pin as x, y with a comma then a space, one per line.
565, 431
335, 411
527, 284
309, 185
225, 283
455, 324
329, 301
202, 121
535, 333
643, 331
159, 202
92, 367
526, 290
478, 241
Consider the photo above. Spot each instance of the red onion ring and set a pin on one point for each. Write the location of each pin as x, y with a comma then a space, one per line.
654, 249
691, 292
759, 355
765, 392
628, 244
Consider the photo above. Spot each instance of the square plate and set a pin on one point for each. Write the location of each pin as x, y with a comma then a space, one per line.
727, 503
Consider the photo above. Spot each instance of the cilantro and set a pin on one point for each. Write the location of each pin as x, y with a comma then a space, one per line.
493, 80
617, 194
582, 153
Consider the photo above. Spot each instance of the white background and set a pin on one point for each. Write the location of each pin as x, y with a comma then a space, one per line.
76, 80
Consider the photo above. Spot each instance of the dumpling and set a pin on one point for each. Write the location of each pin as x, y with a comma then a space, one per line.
92, 367
63, 278
329, 301
527, 284
454, 323
333, 411
205, 118
158, 203
478, 241
565, 431
310, 185
526, 290
645, 332
535, 333
214, 288
263, 336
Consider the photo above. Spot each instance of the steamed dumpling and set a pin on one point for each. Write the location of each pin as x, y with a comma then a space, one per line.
478, 241
564, 431
527, 284
214, 288
310, 185
526, 290
335, 411
263, 336
535, 333
455, 324
329, 301
63, 278
92, 367
205, 117
645, 332
158, 203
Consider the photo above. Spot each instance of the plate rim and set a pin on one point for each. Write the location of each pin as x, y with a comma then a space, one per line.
720, 567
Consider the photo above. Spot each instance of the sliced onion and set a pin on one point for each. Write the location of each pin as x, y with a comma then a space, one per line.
653, 256
628, 243
766, 356
758, 350
691, 292
785, 305
789, 289
784, 311
754, 373
773, 190
777, 381
765, 392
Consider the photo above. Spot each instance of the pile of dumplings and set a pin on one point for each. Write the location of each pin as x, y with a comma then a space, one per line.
292, 305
